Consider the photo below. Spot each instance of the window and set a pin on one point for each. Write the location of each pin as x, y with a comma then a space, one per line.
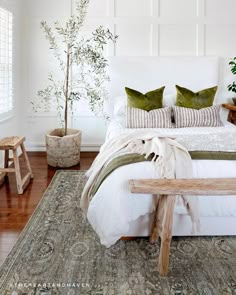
6, 87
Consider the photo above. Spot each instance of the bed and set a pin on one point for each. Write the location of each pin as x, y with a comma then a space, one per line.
113, 211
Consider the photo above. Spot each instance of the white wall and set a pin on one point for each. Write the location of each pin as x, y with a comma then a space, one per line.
11, 126
145, 27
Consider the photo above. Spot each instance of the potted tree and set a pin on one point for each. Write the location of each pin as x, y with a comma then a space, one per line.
82, 65
232, 87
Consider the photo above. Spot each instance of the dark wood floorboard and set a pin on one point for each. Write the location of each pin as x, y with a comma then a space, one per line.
15, 210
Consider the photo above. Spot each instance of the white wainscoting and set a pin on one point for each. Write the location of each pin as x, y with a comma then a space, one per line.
145, 28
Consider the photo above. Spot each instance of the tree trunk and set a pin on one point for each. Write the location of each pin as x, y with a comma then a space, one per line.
67, 88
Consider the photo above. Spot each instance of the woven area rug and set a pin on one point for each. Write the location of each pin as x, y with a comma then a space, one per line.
59, 253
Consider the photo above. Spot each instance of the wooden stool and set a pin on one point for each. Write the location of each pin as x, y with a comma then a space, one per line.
12, 143
167, 189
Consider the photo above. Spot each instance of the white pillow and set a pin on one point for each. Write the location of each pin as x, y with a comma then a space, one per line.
224, 115
169, 100
120, 104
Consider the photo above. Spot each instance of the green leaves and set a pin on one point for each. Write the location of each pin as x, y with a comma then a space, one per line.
101, 36
232, 87
82, 64
74, 96
232, 63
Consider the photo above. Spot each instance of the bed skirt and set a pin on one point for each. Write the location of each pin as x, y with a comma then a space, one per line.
182, 226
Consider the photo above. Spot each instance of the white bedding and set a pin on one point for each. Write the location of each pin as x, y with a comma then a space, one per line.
193, 138
114, 209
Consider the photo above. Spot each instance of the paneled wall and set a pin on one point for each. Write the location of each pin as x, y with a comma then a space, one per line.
145, 27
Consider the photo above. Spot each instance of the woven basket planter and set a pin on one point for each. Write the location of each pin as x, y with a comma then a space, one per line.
63, 151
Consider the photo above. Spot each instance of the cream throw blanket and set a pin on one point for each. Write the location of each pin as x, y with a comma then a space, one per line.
171, 160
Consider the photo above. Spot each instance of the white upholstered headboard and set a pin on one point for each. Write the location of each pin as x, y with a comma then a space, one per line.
149, 73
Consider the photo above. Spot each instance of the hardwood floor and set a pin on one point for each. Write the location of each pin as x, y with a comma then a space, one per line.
15, 210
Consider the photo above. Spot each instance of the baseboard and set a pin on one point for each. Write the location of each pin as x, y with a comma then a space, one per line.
40, 147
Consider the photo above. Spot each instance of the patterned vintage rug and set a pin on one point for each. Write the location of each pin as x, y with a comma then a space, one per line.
58, 253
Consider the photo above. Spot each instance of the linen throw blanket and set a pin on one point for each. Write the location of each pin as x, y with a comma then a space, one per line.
170, 158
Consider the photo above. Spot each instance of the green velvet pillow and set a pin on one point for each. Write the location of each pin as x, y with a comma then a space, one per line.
148, 101
195, 100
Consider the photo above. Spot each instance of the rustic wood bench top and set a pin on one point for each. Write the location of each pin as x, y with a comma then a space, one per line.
167, 189
209, 186
10, 143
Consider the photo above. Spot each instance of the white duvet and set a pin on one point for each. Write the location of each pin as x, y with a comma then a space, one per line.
114, 208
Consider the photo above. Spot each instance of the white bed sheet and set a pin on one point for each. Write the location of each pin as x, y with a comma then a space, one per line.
113, 208
116, 128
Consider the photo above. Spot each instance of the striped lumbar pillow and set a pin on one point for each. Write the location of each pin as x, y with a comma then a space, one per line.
206, 117
158, 118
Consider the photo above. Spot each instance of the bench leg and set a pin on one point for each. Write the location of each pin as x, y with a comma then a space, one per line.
26, 160
3, 175
157, 221
6, 158
166, 233
6, 161
17, 172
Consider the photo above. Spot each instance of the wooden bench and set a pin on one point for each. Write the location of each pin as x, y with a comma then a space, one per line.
12, 143
167, 189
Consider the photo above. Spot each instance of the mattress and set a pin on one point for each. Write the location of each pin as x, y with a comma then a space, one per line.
114, 210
